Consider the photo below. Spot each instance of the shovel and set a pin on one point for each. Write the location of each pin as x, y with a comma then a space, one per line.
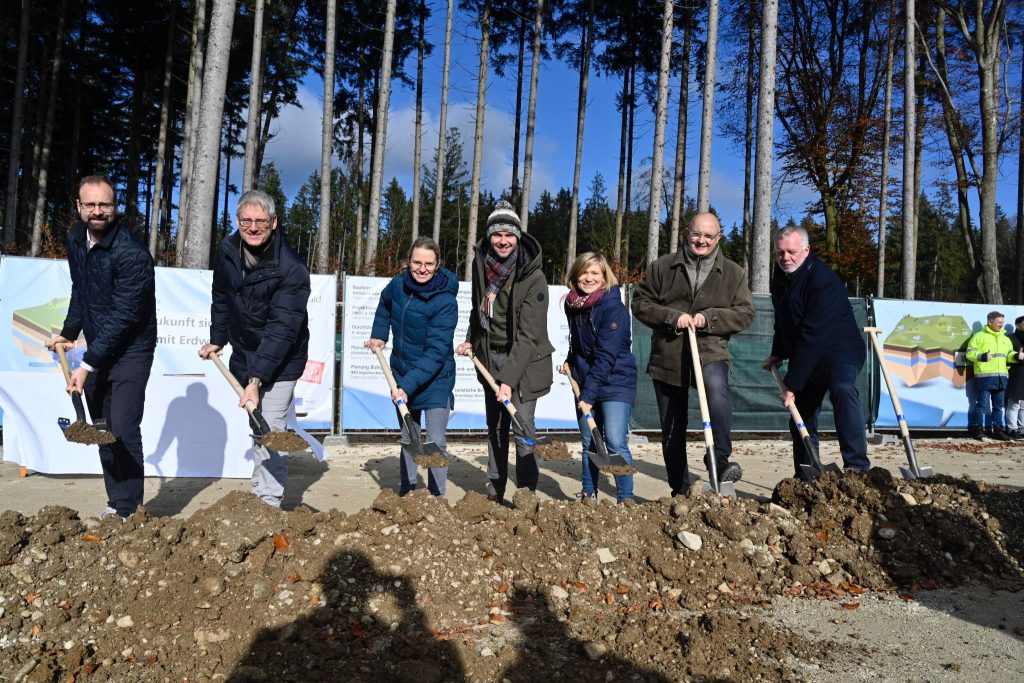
612, 463
80, 431
541, 446
424, 453
914, 471
275, 440
727, 488
815, 469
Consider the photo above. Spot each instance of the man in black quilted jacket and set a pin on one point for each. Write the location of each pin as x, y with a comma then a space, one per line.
260, 292
113, 301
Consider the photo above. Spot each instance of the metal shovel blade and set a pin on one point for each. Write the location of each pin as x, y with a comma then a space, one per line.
913, 470
722, 488
80, 431
424, 453
613, 463
815, 469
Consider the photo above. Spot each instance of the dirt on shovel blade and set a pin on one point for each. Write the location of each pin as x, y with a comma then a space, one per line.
619, 469
432, 460
286, 442
557, 450
80, 432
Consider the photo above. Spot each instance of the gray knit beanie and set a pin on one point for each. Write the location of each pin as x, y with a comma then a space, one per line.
504, 219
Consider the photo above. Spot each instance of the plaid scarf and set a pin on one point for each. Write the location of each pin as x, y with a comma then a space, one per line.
577, 301
497, 273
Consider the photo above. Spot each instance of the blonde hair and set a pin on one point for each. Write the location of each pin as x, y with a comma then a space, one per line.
584, 261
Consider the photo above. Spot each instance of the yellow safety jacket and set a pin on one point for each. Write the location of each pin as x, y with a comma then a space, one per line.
1000, 350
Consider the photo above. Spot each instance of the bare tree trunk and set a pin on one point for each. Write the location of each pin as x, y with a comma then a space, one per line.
51, 114
130, 212
323, 241
704, 184
361, 204
442, 122
1018, 263
17, 121
197, 60
380, 139
161, 145
418, 143
748, 136
661, 113
199, 213
883, 194
478, 139
760, 240
581, 115
909, 268
255, 100
627, 208
620, 195
531, 116
679, 176
517, 128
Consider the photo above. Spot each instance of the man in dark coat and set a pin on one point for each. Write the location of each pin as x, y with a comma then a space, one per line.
508, 332
113, 301
260, 292
816, 332
695, 288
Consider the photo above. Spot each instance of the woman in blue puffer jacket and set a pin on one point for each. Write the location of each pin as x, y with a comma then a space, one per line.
601, 362
420, 308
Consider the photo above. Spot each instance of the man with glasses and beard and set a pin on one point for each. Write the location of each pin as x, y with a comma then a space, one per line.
508, 332
113, 301
260, 291
694, 288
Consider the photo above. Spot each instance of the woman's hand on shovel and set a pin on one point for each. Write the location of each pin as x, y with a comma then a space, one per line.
251, 393
207, 349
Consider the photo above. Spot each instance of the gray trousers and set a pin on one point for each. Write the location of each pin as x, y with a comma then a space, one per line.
437, 425
270, 468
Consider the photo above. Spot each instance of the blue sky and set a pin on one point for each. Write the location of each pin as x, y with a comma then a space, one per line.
296, 147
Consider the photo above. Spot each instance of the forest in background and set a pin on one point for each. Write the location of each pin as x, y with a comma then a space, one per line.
160, 97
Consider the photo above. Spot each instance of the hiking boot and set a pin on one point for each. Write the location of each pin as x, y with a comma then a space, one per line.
731, 472
584, 496
999, 434
976, 433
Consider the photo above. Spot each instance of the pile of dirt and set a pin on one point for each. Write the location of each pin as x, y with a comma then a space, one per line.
418, 589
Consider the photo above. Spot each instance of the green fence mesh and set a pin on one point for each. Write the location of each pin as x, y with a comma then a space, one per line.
755, 396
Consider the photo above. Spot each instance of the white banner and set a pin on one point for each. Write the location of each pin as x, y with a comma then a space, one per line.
923, 342
192, 426
366, 399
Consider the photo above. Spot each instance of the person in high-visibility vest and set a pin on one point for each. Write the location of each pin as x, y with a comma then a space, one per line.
990, 351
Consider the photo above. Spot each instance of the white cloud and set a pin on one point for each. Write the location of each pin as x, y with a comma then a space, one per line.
295, 149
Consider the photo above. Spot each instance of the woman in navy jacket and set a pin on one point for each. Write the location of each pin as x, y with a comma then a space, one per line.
420, 308
601, 363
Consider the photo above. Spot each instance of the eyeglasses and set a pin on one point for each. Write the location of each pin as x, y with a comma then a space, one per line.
704, 236
259, 222
92, 206
420, 265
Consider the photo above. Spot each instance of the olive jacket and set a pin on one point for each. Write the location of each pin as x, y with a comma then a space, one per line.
529, 365
665, 293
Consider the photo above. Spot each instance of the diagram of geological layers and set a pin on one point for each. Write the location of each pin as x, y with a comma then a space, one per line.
924, 348
32, 327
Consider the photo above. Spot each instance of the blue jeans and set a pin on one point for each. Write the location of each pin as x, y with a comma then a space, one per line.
612, 418
437, 425
672, 409
840, 382
971, 389
991, 398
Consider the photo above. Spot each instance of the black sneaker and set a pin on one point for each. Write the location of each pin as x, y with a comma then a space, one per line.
731, 472
976, 433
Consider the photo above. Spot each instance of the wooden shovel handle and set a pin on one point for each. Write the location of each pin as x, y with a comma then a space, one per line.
63, 358
792, 406
698, 374
402, 408
576, 392
235, 384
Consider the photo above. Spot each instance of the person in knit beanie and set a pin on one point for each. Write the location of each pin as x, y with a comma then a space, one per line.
508, 332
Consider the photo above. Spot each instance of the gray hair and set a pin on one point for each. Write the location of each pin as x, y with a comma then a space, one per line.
257, 198
995, 315
783, 233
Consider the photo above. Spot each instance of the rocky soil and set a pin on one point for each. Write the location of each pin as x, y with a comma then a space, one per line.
419, 589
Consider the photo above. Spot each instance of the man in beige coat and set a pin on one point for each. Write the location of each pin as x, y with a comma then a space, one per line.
695, 288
